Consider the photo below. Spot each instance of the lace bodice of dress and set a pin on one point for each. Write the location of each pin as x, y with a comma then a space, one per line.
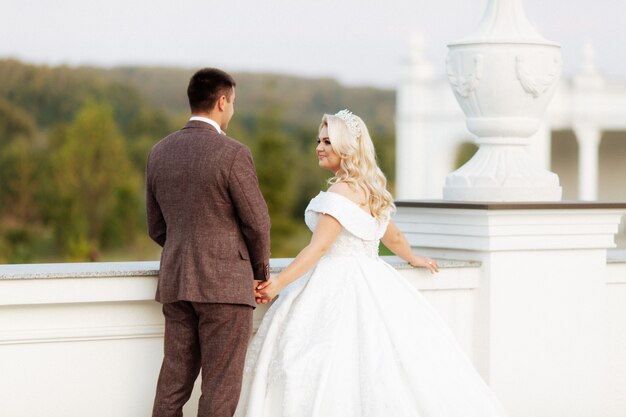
361, 232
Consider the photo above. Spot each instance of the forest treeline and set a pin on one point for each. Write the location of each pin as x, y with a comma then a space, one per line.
73, 144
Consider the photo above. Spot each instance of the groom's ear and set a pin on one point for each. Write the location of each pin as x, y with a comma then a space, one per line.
221, 102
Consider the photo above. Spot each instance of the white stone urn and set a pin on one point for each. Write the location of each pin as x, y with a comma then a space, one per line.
503, 76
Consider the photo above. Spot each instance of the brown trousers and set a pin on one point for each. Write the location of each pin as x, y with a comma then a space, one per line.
207, 336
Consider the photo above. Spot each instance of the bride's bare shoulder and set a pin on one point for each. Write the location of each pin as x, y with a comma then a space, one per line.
348, 191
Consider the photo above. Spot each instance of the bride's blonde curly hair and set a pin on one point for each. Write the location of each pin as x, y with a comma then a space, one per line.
351, 140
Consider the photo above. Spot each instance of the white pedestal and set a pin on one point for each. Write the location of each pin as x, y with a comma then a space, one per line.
541, 326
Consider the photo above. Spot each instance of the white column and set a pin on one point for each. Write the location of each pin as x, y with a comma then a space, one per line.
588, 87
541, 320
442, 146
588, 137
412, 102
408, 158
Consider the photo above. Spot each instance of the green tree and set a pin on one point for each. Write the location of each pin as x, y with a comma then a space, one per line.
15, 125
71, 169
19, 220
274, 159
96, 191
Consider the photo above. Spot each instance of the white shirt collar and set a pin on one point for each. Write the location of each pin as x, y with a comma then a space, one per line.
206, 120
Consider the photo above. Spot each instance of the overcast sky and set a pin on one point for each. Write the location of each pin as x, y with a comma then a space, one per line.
358, 42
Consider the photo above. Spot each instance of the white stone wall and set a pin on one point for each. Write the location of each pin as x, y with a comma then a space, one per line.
86, 339
616, 285
548, 324
80, 340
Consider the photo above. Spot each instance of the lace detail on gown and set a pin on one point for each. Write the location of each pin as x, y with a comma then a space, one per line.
352, 338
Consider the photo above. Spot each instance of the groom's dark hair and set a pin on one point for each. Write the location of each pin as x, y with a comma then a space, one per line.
206, 86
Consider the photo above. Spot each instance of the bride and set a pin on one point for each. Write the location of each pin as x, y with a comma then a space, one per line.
347, 335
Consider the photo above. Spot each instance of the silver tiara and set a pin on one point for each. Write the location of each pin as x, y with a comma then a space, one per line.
351, 121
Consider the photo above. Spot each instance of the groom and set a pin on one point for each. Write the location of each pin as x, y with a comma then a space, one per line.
205, 209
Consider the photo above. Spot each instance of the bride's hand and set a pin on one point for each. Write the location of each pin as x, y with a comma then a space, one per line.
267, 290
425, 262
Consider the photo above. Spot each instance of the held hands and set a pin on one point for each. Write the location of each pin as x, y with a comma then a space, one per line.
265, 291
425, 262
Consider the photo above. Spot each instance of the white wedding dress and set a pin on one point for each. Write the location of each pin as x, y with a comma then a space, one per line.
352, 338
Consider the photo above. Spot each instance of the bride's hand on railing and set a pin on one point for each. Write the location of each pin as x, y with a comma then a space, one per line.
424, 262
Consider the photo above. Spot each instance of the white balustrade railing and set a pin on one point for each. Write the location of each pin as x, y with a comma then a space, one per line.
86, 339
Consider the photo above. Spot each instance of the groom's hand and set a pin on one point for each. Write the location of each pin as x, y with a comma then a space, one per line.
255, 285
265, 291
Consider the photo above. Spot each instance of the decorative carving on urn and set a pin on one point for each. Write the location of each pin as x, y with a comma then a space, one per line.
533, 84
504, 54
465, 84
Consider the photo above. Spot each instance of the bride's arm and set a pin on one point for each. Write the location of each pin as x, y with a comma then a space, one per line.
397, 243
326, 231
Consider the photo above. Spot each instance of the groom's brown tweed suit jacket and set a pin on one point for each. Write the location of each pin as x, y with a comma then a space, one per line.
205, 208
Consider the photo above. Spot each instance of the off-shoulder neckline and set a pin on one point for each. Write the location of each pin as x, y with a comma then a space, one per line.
351, 202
